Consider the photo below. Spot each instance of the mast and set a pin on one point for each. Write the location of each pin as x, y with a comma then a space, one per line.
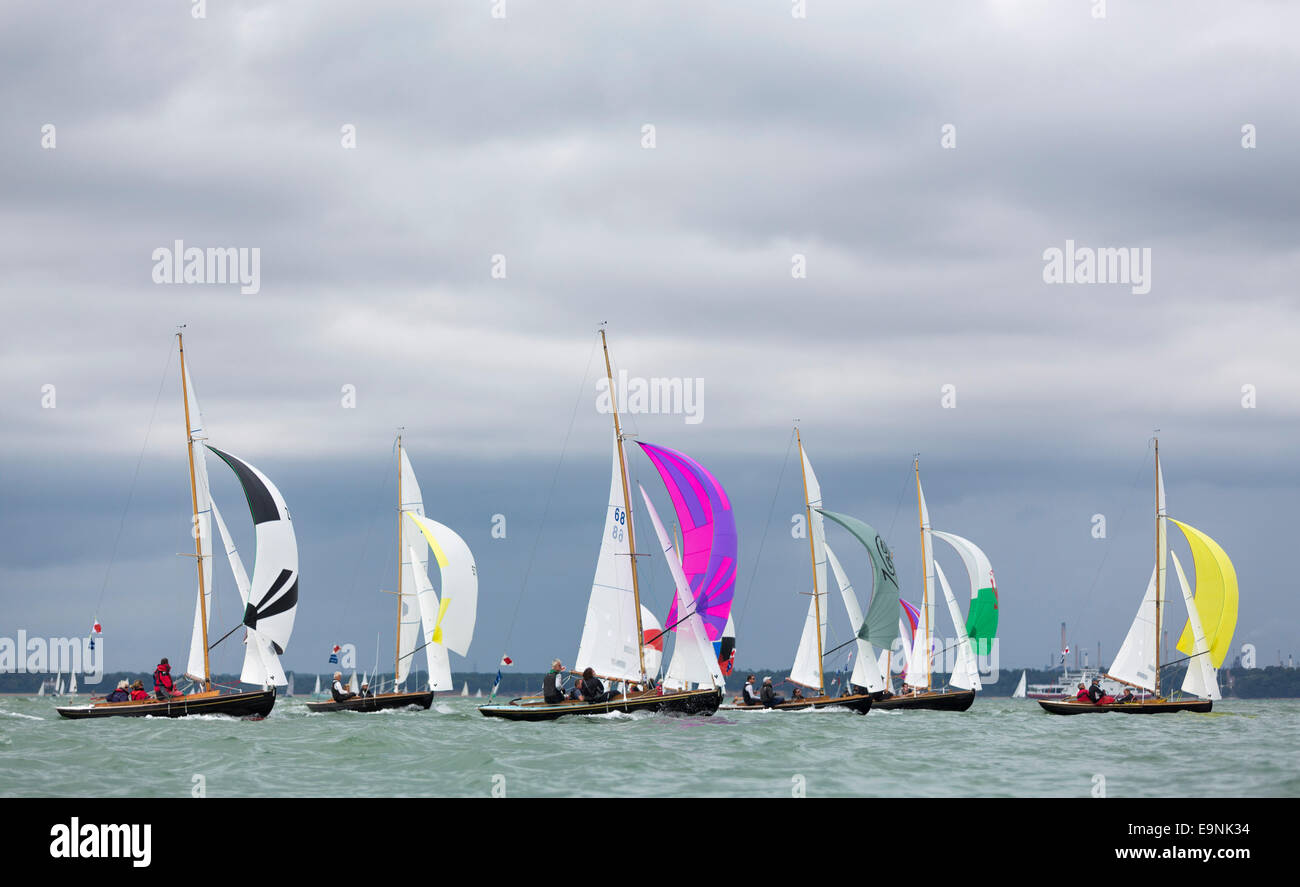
397, 647
194, 501
812, 554
925, 585
1160, 567
627, 506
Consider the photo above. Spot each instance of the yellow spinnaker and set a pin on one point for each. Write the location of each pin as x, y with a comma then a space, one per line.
1216, 595
433, 543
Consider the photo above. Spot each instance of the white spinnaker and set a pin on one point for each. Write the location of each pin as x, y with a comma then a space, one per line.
261, 665
459, 586
609, 643
232, 554
693, 657
408, 625
965, 672
1135, 663
866, 670
432, 612
919, 663
200, 526
1200, 679
978, 567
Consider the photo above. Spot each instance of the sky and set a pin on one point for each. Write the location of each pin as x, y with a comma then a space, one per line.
835, 213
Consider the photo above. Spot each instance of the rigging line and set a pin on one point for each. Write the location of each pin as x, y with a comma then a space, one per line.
1127, 503
131, 489
546, 509
758, 556
898, 506
370, 527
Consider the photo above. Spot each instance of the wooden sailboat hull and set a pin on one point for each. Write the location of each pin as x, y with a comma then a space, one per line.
376, 703
953, 700
250, 704
684, 702
1150, 707
859, 703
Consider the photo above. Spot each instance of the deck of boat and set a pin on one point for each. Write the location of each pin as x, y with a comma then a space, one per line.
380, 702
859, 703
246, 704
935, 700
534, 708
1145, 707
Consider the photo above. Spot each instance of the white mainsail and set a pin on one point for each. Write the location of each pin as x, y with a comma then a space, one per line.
609, 644
464, 691
867, 671
965, 672
693, 656
316, 692
1019, 692
1135, 663
919, 662
807, 668
408, 627
201, 528
72, 683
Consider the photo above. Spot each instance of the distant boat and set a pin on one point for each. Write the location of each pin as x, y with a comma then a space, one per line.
423, 622
316, 692
270, 600
72, 683
1019, 692
478, 694
289, 690
464, 691
1206, 638
41, 690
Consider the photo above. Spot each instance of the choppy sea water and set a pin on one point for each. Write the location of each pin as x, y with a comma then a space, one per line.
1001, 747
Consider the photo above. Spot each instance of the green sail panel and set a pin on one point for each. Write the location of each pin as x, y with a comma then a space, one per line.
880, 622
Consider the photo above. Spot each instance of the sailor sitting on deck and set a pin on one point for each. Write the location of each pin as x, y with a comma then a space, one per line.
138, 692
748, 696
1128, 695
553, 683
365, 691
769, 695
337, 689
1082, 695
593, 691
121, 694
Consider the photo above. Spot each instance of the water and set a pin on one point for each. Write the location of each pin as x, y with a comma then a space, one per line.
1001, 747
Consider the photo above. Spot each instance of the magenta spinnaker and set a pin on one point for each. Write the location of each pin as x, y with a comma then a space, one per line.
709, 540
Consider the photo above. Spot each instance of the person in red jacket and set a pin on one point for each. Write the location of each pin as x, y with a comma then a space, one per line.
1082, 695
162, 681
138, 691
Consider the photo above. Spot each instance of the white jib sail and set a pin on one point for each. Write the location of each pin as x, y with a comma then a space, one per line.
201, 527
693, 657
609, 643
1019, 692
1135, 663
652, 629
866, 669
965, 672
919, 663
454, 626
408, 626
1200, 679
431, 613
72, 683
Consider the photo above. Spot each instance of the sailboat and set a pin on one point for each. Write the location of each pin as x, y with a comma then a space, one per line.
808, 669
976, 632
316, 692
41, 690
270, 599
1019, 692
72, 683
621, 639
464, 691
1206, 637
423, 621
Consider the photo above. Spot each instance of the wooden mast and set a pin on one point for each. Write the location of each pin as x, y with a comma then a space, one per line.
925, 585
812, 554
194, 500
1159, 567
627, 507
397, 647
